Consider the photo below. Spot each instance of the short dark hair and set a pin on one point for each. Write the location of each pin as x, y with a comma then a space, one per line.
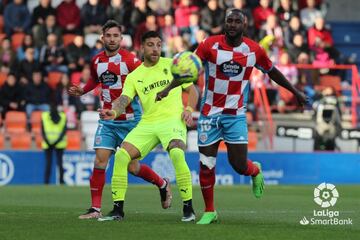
150, 34
238, 11
110, 24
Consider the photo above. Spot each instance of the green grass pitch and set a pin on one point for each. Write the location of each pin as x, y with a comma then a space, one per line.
50, 212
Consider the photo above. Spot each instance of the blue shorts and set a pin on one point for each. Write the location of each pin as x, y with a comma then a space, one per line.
110, 134
230, 128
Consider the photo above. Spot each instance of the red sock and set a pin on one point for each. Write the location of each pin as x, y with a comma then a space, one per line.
207, 182
149, 175
252, 169
97, 182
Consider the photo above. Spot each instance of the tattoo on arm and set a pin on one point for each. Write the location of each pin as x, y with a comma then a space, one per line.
120, 104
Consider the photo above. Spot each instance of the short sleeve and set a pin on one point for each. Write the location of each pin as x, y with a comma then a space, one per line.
263, 63
129, 87
186, 85
93, 72
133, 62
201, 50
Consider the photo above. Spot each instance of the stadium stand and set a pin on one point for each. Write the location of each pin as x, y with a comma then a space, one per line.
20, 141
35, 121
3, 77
68, 38
15, 122
53, 79
17, 40
74, 140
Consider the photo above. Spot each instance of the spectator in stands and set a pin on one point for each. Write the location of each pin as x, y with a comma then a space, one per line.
25, 68
309, 14
93, 16
261, 13
212, 18
68, 16
241, 4
7, 56
271, 27
77, 54
293, 28
120, 11
41, 12
99, 46
182, 15
62, 97
139, 13
66, 102
200, 36
11, 96
148, 25
321, 43
28, 42
160, 7
194, 27
53, 56
54, 140
49, 27
89, 101
285, 12
298, 49
168, 32
288, 69
36, 94
17, 18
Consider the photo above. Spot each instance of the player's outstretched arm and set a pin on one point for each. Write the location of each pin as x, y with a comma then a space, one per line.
280, 79
162, 94
118, 107
192, 101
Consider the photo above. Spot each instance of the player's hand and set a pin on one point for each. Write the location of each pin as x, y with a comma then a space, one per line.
75, 91
106, 114
187, 117
160, 95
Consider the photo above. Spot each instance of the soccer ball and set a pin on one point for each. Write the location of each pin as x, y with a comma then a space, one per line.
186, 66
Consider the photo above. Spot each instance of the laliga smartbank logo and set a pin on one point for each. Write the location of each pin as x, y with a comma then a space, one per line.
326, 196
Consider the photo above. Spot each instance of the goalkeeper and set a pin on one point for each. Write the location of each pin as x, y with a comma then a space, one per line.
162, 122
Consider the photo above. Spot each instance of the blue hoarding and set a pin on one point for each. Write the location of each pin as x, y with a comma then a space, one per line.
27, 167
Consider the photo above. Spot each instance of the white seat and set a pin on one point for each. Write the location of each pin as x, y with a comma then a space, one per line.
89, 122
192, 138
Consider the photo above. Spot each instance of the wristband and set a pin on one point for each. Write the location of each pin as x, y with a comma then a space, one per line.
190, 109
115, 113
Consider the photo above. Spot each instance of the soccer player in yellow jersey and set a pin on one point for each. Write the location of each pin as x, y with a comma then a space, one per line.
162, 122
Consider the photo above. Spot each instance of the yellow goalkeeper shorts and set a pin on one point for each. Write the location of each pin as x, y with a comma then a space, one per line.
147, 135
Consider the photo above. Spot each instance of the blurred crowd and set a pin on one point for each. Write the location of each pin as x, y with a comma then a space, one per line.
291, 31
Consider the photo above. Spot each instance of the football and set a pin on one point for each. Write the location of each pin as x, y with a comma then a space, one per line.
186, 66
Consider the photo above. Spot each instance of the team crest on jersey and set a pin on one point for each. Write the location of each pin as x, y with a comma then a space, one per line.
98, 140
203, 137
108, 78
165, 71
231, 68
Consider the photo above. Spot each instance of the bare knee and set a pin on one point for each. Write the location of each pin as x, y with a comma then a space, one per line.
177, 143
102, 158
134, 167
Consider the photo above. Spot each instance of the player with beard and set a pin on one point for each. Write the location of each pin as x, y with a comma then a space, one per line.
228, 60
162, 122
109, 68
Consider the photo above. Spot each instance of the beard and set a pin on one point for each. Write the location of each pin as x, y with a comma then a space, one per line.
111, 48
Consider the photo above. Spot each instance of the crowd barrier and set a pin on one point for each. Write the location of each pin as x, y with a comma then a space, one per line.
27, 167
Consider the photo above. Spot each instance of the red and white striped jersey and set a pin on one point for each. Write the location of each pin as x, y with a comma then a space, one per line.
111, 73
227, 74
